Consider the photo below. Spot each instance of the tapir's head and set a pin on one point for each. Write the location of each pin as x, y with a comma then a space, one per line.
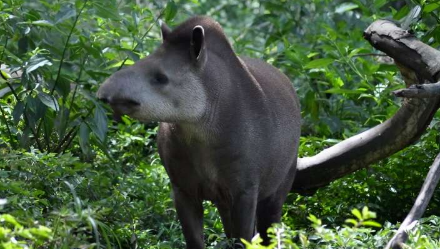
169, 85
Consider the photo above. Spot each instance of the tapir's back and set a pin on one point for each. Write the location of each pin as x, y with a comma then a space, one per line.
286, 121
279, 92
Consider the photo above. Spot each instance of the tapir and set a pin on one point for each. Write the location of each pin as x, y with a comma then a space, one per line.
229, 127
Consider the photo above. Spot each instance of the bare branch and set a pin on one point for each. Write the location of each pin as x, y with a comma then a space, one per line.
419, 206
369, 54
418, 63
419, 91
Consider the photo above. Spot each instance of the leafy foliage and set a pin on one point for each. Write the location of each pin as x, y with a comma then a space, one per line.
72, 182
345, 237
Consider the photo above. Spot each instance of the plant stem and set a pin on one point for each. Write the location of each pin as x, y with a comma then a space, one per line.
143, 37
64, 139
26, 120
7, 128
4, 49
71, 135
66, 46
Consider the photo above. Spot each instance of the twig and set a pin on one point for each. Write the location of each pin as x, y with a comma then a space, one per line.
64, 139
26, 120
7, 127
143, 37
58, 148
419, 206
66, 46
70, 135
369, 54
419, 91
4, 49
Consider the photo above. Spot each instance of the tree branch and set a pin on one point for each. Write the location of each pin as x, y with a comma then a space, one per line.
398, 132
419, 91
419, 206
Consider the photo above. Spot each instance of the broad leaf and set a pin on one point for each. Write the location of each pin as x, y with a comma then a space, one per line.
319, 63
36, 62
170, 11
49, 101
344, 7
99, 126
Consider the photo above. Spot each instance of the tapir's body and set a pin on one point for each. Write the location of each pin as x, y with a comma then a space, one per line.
229, 134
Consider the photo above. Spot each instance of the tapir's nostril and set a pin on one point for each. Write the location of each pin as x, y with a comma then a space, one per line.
104, 99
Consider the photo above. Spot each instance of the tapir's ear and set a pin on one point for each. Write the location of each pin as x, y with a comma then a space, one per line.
165, 30
198, 52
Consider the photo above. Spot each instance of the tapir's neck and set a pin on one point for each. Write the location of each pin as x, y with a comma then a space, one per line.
235, 100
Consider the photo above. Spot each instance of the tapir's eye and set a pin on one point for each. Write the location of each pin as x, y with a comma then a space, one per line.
160, 79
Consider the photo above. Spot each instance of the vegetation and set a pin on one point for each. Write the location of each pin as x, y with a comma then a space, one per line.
71, 178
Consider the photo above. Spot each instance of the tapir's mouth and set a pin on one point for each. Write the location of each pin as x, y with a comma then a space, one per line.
123, 106
124, 102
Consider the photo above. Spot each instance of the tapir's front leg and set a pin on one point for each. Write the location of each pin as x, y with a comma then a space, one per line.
243, 214
190, 213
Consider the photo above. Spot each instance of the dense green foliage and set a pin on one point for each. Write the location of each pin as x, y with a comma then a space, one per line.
69, 181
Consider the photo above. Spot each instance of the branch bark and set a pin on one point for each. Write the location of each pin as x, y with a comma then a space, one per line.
419, 206
403, 129
419, 91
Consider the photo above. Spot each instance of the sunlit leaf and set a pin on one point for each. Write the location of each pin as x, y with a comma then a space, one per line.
371, 223
100, 123
401, 13
344, 7
37, 62
84, 133
49, 101
170, 11
430, 7
319, 63
106, 9
357, 213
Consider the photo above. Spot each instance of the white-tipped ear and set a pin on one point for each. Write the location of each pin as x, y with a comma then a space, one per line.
198, 43
164, 29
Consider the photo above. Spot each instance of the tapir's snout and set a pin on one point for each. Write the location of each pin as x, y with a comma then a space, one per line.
112, 92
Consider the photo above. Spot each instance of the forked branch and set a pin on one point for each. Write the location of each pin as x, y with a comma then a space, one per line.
404, 128
419, 91
419, 206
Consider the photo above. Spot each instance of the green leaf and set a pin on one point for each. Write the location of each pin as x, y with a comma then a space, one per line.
344, 91
312, 105
118, 64
36, 62
344, 7
5, 75
312, 54
42, 231
49, 101
401, 13
84, 132
66, 13
371, 223
10, 219
42, 23
61, 121
8, 89
100, 125
18, 111
412, 17
106, 9
365, 213
379, 3
352, 221
319, 63
170, 11
314, 220
431, 7
357, 213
